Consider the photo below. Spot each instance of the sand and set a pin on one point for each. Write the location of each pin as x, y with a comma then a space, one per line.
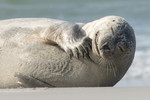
107, 93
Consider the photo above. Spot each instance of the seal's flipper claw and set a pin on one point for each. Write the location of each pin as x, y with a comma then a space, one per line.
90, 46
76, 52
81, 50
70, 53
88, 57
87, 49
87, 45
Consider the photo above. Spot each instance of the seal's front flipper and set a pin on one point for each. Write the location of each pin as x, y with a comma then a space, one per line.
69, 36
29, 81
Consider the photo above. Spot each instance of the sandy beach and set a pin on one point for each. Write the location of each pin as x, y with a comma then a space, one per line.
97, 93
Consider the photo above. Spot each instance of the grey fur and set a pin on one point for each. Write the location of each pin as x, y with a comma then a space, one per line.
54, 53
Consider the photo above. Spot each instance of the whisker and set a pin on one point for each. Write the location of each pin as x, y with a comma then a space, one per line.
107, 68
113, 68
100, 61
110, 67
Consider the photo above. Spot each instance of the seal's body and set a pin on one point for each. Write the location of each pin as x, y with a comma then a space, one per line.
53, 53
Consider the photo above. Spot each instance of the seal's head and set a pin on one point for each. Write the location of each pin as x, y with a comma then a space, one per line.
113, 43
113, 37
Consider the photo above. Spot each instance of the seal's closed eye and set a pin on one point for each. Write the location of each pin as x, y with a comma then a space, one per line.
105, 46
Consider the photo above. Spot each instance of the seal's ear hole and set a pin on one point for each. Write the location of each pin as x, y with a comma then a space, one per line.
114, 20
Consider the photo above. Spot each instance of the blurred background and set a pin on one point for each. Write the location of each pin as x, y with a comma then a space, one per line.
136, 12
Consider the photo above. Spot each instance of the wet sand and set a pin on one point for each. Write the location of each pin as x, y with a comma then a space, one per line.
107, 93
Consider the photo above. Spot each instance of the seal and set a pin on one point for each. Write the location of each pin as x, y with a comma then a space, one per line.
41, 52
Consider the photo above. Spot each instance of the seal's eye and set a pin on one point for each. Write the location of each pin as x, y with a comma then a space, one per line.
121, 48
105, 46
